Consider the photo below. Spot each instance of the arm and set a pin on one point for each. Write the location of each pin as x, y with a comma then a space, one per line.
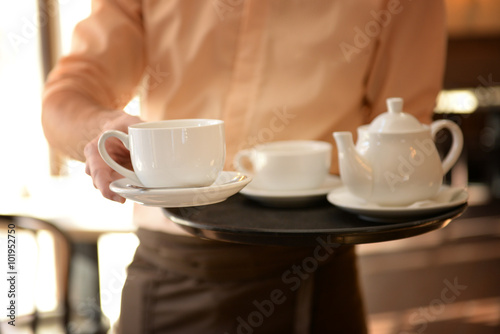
90, 86
409, 59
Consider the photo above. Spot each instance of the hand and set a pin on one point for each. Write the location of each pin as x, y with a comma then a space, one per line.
102, 175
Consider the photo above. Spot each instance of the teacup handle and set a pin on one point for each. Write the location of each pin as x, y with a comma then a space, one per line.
238, 160
457, 142
123, 137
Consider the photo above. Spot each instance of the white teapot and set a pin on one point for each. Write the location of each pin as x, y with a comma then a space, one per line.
395, 161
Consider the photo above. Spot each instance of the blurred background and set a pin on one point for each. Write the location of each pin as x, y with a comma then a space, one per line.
73, 256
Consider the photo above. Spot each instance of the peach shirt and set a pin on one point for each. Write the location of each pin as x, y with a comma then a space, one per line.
272, 70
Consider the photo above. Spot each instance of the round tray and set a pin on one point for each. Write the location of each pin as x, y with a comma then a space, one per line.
241, 220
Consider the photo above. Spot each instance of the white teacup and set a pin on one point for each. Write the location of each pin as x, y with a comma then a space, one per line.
172, 153
286, 165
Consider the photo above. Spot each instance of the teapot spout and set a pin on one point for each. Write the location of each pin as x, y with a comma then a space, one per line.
355, 171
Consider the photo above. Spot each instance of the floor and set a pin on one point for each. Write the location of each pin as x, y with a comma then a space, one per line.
446, 281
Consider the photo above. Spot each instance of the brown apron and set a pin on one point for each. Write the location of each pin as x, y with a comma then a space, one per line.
178, 284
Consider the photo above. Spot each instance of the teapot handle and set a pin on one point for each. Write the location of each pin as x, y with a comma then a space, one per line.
457, 141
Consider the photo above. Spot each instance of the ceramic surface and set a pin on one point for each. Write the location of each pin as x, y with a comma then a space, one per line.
288, 198
227, 184
172, 153
445, 199
286, 165
395, 160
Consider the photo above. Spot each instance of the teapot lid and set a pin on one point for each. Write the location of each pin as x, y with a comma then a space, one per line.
395, 120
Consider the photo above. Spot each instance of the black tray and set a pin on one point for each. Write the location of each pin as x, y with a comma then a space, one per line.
241, 220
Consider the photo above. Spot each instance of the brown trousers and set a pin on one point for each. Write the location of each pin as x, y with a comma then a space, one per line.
188, 285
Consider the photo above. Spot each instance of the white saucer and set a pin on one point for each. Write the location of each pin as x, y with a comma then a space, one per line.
227, 184
291, 198
445, 199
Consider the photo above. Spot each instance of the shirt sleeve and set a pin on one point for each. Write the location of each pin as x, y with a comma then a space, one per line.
409, 58
106, 60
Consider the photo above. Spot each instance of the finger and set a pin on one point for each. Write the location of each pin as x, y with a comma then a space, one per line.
102, 179
90, 151
102, 175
